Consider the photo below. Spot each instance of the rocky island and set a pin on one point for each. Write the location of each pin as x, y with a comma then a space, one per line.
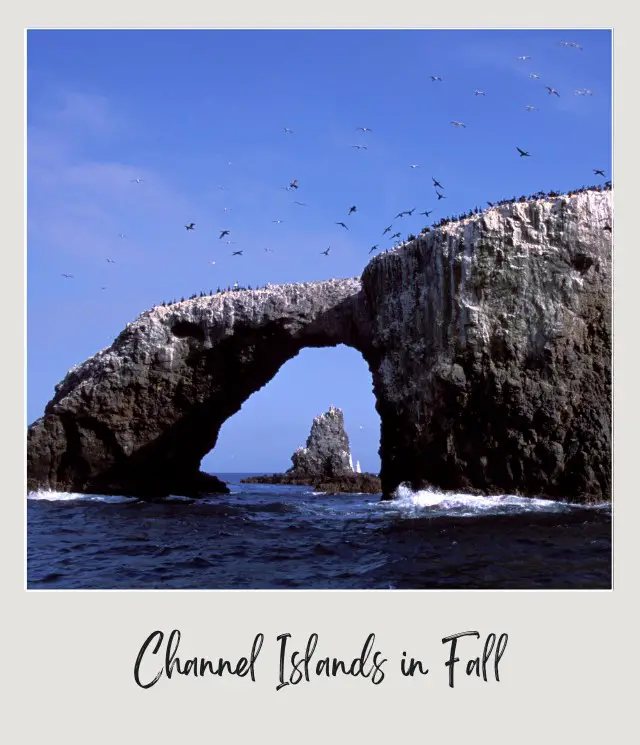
325, 462
488, 340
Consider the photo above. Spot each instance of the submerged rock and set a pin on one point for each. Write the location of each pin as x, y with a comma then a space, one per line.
488, 340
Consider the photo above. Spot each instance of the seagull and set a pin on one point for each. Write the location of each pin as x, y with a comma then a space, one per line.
373, 248
211, 262
552, 90
364, 129
524, 57
584, 92
343, 225
229, 243
302, 204
426, 213
269, 250
110, 261
386, 230
437, 183
435, 78
459, 124
326, 253
522, 152
359, 147
227, 209
534, 76
531, 108
598, 172
570, 44
103, 288
67, 276
122, 236
190, 226
223, 233
287, 131
222, 188
414, 165
277, 221
440, 196
396, 235
479, 93
237, 253
352, 210
137, 180
294, 184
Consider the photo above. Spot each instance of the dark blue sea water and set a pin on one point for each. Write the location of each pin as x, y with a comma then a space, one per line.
264, 536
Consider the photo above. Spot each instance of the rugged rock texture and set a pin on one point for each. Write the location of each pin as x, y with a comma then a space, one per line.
354, 483
494, 342
489, 343
327, 453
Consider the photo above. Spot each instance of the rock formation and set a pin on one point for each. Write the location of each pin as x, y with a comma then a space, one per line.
488, 340
327, 452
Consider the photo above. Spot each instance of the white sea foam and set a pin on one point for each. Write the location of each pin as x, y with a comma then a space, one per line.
428, 502
46, 495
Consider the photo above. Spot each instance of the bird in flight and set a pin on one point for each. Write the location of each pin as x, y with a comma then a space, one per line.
552, 90
583, 92
110, 261
343, 225
326, 253
437, 183
386, 230
426, 213
531, 108
440, 196
479, 93
459, 124
190, 226
302, 204
414, 165
237, 253
269, 250
570, 44
395, 235
534, 76
287, 131
227, 209
524, 57
435, 78
223, 233
294, 184
364, 129
277, 222
67, 276
522, 152
359, 147
373, 248
352, 210
137, 180
122, 236
229, 243
598, 172
103, 288
222, 188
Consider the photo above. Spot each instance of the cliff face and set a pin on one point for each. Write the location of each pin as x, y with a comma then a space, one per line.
494, 336
489, 342
327, 451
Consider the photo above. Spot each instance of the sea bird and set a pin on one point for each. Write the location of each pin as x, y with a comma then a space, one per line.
459, 124
522, 152
395, 235
352, 210
531, 108
110, 261
287, 131
122, 236
386, 230
137, 180
598, 172
414, 165
326, 253
67, 276
524, 57
359, 147
343, 225
440, 196
190, 226
223, 233
426, 213
373, 248
435, 78
534, 76
237, 253
479, 93
552, 90
302, 204
364, 129
277, 221
437, 183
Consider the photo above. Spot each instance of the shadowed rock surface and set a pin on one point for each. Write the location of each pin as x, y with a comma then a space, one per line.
488, 340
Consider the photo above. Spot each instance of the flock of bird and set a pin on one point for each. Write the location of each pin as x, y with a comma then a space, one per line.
439, 190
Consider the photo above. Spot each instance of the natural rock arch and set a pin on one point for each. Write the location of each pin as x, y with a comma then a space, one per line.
488, 340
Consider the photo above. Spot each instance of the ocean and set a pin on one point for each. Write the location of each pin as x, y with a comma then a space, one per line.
288, 537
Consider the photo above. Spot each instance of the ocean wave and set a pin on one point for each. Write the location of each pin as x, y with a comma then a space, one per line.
48, 495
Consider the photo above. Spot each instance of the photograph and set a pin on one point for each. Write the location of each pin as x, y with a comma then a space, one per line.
395, 375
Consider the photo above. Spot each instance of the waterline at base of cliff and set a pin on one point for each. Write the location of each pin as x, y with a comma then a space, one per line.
267, 536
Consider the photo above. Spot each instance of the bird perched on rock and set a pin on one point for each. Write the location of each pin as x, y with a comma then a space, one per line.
523, 153
190, 226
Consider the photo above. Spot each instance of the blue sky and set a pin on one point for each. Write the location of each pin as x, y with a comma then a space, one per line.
190, 111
